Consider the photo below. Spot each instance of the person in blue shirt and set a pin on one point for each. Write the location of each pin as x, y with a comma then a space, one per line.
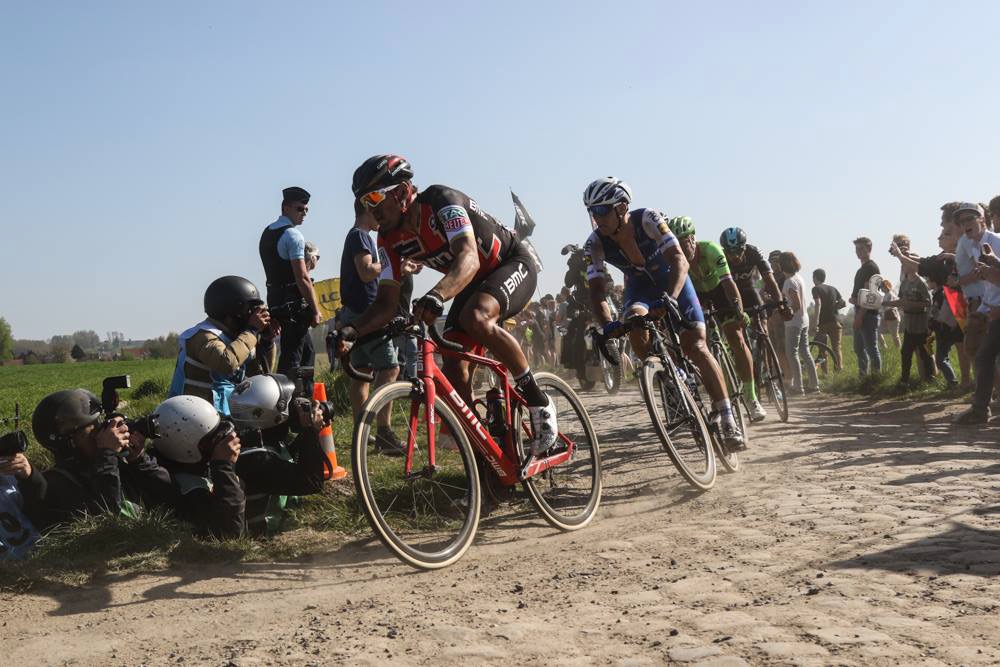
290, 293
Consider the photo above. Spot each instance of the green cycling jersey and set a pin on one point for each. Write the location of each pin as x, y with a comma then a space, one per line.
709, 268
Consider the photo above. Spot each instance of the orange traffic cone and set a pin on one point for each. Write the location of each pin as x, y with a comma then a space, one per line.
333, 471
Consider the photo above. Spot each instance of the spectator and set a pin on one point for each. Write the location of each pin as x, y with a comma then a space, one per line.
359, 271
967, 253
406, 346
17, 533
970, 247
776, 322
942, 277
828, 303
290, 293
914, 300
797, 328
865, 321
890, 314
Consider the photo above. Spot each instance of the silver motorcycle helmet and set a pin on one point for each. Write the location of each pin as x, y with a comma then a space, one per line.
261, 401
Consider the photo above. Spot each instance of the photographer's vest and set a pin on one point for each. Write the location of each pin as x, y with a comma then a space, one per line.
280, 277
220, 386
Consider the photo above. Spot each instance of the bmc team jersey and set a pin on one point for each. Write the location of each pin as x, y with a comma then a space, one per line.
710, 268
445, 214
743, 269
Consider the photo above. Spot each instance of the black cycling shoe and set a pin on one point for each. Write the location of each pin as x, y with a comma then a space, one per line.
387, 443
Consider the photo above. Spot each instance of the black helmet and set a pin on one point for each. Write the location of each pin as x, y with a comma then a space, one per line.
231, 296
733, 238
60, 414
380, 171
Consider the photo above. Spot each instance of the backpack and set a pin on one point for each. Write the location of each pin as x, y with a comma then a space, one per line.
17, 534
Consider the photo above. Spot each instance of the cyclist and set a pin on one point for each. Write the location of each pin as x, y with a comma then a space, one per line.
489, 273
743, 260
714, 283
642, 246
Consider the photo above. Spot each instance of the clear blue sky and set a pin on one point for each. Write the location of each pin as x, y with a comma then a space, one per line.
144, 145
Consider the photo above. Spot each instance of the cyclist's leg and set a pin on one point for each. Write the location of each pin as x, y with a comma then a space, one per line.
733, 330
639, 294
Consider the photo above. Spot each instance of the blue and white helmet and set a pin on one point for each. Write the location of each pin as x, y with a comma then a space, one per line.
733, 238
608, 190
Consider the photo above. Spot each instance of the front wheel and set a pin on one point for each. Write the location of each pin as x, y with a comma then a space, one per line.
770, 378
731, 460
567, 495
611, 374
426, 516
679, 422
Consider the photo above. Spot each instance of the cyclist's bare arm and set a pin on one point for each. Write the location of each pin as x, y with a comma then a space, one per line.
732, 292
771, 287
381, 311
463, 268
599, 301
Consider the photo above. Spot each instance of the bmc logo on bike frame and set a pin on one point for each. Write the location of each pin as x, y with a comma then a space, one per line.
473, 421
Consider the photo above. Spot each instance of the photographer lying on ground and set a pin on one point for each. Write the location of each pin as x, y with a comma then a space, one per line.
271, 465
98, 466
200, 449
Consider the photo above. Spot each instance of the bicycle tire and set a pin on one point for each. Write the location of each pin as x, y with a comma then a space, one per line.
822, 355
399, 530
549, 491
731, 460
653, 377
774, 383
612, 376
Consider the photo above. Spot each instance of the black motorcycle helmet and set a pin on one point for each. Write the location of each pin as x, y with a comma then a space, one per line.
60, 414
380, 171
231, 296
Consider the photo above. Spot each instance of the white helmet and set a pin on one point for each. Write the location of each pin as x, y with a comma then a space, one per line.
261, 401
609, 190
184, 421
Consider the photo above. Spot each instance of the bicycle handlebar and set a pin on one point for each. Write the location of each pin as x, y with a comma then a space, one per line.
395, 327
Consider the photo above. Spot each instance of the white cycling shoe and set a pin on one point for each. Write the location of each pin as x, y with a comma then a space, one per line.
544, 428
757, 412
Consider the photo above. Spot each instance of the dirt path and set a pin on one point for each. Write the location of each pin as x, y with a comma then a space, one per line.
847, 539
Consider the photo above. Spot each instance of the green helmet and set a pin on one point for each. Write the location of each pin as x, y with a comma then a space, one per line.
682, 226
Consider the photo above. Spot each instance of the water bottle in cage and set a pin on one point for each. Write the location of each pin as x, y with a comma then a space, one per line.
496, 413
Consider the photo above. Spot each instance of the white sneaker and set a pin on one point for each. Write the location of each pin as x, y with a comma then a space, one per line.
543, 425
757, 412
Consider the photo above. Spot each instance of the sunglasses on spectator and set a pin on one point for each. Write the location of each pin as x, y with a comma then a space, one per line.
600, 210
376, 197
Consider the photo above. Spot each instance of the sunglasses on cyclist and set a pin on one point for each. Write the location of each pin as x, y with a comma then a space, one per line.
376, 197
600, 210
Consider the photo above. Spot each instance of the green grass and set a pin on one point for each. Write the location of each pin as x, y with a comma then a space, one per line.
886, 384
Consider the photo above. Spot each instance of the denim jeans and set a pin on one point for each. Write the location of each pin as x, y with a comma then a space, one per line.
986, 365
866, 343
944, 340
797, 351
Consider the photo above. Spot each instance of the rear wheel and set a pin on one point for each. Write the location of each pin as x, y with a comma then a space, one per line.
822, 354
771, 380
428, 518
567, 495
612, 375
679, 422
731, 460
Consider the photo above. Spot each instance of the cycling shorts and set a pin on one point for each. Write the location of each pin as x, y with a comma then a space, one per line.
512, 283
641, 291
750, 298
717, 299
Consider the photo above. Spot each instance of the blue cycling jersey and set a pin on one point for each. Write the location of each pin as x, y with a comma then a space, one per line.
652, 236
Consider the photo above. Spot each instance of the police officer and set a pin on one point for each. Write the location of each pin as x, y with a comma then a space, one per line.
290, 293
214, 354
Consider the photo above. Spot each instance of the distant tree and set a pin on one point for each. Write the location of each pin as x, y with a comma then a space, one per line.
24, 346
61, 342
88, 340
6, 341
78, 353
163, 347
30, 358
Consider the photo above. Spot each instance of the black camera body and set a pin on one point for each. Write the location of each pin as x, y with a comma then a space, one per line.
13, 443
291, 312
149, 425
326, 407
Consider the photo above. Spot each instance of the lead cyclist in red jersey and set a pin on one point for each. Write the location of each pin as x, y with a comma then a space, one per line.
489, 273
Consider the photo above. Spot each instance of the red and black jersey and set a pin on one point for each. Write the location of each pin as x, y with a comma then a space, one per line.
445, 214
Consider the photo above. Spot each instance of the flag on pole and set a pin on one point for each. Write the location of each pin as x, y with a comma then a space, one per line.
328, 295
523, 224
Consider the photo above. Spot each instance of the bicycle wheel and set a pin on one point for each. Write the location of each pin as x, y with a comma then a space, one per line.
679, 422
612, 375
773, 383
731, 460
821, 354
567, 495
427, 518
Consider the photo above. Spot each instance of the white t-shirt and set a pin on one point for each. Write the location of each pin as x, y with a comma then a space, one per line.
966, 255
794, 284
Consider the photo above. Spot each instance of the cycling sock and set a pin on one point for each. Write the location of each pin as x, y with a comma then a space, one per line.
725, 410
750, 391
525, 383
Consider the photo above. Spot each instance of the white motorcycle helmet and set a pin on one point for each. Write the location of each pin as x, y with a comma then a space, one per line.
261, 401
184, 421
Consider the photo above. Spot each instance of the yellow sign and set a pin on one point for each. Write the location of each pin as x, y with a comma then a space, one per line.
328, 294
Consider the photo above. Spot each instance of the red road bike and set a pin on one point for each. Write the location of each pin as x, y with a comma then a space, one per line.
425, 505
